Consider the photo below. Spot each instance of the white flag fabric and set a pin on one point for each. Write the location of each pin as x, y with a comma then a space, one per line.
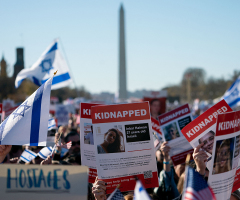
51, 124
49, 62
139, 192
28, 155
45, 152
232, 95
28, 124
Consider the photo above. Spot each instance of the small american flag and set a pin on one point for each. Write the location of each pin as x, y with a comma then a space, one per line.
116, 195
196, 188
66, 146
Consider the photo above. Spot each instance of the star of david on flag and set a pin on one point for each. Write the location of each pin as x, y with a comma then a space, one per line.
28, 124
27, 156
21, 110
46, 65
50, 61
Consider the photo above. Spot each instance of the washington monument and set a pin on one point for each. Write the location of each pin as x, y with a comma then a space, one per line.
122, 58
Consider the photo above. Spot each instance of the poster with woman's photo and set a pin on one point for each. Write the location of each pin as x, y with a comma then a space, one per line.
202, 129
123, 142
223, 170
171, 124
88, 157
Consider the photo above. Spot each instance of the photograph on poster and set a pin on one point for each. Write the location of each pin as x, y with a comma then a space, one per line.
171, 132
237, 146
207, 141
223, 156
88, 134
112, 141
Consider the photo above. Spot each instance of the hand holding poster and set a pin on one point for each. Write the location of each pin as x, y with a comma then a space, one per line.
88, 157
202, 129
225, 156
171, 124
124, 145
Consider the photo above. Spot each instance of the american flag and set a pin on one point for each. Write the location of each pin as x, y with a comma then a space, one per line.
196, 188
116, 195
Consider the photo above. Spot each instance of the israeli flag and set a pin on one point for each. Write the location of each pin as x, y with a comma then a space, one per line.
28, 124
49, 62
139, 192
45, 152
232, 95
27, 156
51, 124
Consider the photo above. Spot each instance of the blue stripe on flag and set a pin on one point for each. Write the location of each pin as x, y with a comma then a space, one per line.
45, 157
234, 102
25, 158
19, 83
53, 48
59, 79
36, 116
36, 81
49, 149
52, 126
30, 152
50, 119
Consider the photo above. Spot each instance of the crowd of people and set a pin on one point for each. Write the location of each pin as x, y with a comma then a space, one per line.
171, 178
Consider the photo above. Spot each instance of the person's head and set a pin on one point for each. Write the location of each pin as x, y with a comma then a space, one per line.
75, 138
179, 169
172, 132
112, 137
207, 141
155, 107
224, 155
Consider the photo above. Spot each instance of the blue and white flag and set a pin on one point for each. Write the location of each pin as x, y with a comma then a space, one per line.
232, 95
51, 124
49, 62
28, 124
27, 156
139, 192
45, 152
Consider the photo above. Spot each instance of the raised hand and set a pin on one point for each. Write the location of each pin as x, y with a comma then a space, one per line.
99, 189
200, 157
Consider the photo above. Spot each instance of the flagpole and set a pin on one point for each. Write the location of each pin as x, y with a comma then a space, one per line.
65, 55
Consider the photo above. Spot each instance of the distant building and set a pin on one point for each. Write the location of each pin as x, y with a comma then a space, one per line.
3, 66
19, 63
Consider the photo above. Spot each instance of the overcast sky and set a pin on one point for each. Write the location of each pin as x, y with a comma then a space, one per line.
163, 38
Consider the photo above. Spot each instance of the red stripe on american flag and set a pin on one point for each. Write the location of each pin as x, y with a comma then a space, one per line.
193, 194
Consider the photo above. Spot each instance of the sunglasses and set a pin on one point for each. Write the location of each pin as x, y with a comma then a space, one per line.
76, 143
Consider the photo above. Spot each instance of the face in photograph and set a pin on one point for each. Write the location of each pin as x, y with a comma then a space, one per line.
172, 132
110, 137
223, 157
207, 141
112, 142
